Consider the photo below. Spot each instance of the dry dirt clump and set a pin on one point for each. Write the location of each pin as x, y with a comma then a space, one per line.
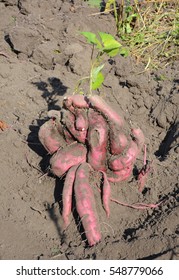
42, 55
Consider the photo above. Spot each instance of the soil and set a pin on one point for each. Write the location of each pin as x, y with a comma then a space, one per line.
42, 55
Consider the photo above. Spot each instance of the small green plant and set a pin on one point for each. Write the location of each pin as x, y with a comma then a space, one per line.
103, 46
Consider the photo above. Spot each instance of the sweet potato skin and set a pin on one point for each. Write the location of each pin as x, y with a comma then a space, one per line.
106, 193
85, 204
139, 137
97, 140
118, 176
67, 194
117, 139
65, 158
69, 122
119, 162
75, 101
81, 119
100, 105
50, 136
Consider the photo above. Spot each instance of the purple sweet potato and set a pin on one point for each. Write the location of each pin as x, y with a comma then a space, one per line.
51, 137
65, 158
85, 204
97, 140
67, 194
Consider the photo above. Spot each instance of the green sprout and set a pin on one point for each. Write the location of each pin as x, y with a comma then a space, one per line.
105, 45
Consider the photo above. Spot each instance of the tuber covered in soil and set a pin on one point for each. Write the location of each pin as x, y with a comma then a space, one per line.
87, 134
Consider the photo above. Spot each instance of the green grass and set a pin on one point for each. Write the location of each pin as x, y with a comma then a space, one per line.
149, 29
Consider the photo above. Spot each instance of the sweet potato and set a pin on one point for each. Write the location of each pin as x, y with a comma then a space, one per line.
118, 176
97, 140
65, 158
119, 162
69, 122
75, 101
81, 119
138, 137
50, 135
85, 204
117, 139
100, 105
54, 114
67, 194
106, 193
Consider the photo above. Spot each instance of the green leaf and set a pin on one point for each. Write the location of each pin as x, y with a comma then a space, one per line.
91, 38
111, 46
95, 71
124, 52
98, 82
112, 52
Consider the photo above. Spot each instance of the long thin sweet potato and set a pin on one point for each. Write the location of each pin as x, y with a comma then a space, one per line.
106, 193
67, 194
65, 158
85, 204
97, 140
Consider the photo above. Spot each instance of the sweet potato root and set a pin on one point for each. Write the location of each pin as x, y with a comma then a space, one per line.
138, 137
117, 139
67, 194
97, 140
81, 119
69, 122
106, 193
76, 101
118, 176
85, 204
101, 106
119, 162
50, 135
65, 158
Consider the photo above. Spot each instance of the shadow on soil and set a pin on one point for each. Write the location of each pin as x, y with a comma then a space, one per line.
51, 90
172, 251
166, 144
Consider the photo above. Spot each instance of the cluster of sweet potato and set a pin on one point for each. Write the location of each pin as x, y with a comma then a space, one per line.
88, 135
